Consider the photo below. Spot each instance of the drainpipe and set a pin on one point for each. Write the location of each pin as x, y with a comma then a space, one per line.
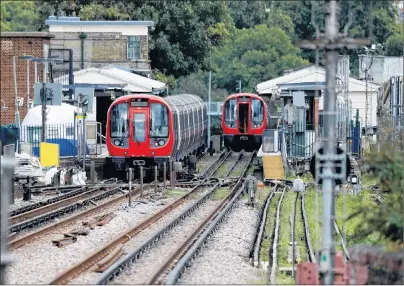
82, 36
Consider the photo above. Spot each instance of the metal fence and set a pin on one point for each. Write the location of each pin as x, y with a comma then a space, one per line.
300, 139
29, 138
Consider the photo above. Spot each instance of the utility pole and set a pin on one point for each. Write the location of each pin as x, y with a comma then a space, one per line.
331, 42
17, 112
209, 94
43, 98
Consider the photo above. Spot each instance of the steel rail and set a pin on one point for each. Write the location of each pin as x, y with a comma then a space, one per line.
55, 205
80, 189
93, 258
344, 248
131, 258
307, 237
212, 166
261, 229
274, 246
21, 241
188, 250
240, 156
41, 219
193, 244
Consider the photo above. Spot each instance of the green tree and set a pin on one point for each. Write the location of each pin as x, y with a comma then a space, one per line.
247, 14
18, 16
197, 84
277, 18
254, 55
183, 35
394, 45
376, 20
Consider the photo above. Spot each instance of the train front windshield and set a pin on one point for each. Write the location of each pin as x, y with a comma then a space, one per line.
257, 111
230, 113
119, 121
158, 121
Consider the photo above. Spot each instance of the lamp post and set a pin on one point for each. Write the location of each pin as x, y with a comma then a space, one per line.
27, 58
43, 92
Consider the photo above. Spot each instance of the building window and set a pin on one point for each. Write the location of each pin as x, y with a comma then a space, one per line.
134, 47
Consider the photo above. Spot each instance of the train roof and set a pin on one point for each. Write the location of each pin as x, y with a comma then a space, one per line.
180, 102
243, 94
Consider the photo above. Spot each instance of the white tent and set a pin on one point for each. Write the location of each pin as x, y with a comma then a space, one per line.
59, 120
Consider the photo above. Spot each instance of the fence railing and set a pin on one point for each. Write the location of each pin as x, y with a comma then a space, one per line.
300, 139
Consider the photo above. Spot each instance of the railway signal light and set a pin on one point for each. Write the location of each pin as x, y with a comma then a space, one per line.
338, 169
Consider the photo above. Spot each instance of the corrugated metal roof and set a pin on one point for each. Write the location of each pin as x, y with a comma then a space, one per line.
308, 74
107, 75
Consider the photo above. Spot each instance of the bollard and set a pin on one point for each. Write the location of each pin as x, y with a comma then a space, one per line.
155, 179
130, 178
171, 174
26, 196
141, 182
92, 170
164, 176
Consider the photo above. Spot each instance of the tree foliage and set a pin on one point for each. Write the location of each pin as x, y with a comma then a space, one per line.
254, 55
183, 34
18, 16
247, 14
198, 84
376, 20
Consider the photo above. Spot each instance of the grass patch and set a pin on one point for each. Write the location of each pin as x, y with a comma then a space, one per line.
347, 205
299, 231
175, 193
220, 194
344, 207
284, 279
310, 206
267, 239
262, 279
285, 228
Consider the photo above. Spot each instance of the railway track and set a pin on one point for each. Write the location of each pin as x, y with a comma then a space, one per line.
66, 193
307, 238
113, 250
38, 216
22, 240
188, 247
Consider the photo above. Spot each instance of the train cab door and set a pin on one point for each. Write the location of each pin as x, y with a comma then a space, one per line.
243, 115
139, 126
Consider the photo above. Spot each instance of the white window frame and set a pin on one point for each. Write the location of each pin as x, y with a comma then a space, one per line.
132, 39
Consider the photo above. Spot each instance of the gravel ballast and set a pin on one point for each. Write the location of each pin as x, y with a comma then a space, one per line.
141, 271
40, 261
225, 259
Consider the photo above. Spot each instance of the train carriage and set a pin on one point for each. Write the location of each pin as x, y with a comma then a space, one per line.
244, 119
147, 130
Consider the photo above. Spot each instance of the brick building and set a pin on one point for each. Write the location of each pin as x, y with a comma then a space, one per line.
18, 44
100, 43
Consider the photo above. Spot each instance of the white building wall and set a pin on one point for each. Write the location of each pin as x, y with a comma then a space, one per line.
124, 29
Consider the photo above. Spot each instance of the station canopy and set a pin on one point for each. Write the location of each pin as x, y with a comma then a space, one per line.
111, 75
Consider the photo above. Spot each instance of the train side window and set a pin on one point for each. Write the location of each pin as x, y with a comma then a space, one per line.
230, 115
158, 120
119, 121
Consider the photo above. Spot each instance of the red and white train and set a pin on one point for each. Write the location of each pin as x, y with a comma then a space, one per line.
147, 130
244, 119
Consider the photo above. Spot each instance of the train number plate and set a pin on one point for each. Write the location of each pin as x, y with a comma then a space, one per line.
139, 163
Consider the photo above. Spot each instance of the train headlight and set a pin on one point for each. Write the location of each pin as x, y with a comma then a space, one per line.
161, 142
117, 142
